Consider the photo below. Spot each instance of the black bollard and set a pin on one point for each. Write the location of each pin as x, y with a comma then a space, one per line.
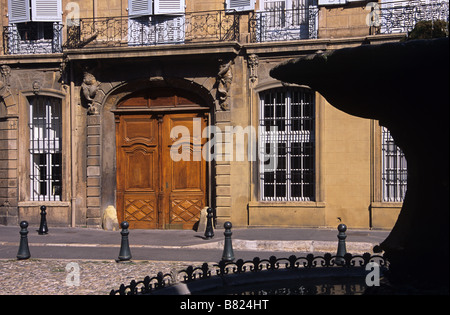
24, 251
125, 253
209, 232
341, 250
43, 229
228, 254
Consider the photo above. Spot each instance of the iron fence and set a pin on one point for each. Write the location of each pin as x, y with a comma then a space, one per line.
284, 24
307, 275
402, 16
153, 30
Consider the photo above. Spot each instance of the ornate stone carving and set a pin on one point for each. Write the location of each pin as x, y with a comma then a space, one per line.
253, 63
89, 88
5, 72
224, 80
36, 87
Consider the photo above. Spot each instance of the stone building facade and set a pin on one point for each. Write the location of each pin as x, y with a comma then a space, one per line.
96, 97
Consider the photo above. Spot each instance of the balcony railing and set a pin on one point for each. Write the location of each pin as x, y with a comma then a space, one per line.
30, 39
402, 16
154, 30
284, 25
277, 24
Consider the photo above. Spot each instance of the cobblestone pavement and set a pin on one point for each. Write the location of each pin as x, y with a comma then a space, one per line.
50, 277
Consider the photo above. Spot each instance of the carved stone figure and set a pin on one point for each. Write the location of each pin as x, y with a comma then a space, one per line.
90, 88
5, 72
224, 80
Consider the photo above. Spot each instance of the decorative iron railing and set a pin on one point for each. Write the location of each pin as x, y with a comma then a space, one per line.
276, 24
153, 30
294, 275
284, 25
402, 16
27, 38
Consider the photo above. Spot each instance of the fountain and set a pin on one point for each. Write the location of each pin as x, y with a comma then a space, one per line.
405, 86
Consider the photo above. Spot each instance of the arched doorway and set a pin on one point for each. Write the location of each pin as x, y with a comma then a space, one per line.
155, 190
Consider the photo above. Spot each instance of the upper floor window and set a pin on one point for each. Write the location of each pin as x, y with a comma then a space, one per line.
240, 5
156, 22
394, 171
287, 141
278, 20
34, 27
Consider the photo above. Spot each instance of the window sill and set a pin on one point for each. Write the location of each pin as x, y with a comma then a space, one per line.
378, 204
44, 203
287, 204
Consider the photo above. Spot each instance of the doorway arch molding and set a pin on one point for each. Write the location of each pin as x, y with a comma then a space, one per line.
101, 135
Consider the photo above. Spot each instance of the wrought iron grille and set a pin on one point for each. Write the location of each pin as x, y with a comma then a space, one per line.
287, 141
306, 270
280, 24
154, 30
394, 169
32, 38
402, 16
45, 148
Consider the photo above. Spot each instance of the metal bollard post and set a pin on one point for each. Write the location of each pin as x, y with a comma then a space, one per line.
228, 254
209, 232
24, 251
43, 229
125, 253
341, 250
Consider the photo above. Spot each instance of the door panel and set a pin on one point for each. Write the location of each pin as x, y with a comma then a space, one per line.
137, 170
153, 190
141, 166
141, 211
186, 178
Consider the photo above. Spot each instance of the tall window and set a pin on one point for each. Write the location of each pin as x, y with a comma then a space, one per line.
287, 172
35, 27
45, 148
394, 169
154, 22
285, 13
279, 20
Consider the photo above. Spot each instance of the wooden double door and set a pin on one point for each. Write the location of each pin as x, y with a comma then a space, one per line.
155, 191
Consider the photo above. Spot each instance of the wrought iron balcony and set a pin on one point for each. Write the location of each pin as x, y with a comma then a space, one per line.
284, 25
32, 38
274, 24
153, 30
402, 16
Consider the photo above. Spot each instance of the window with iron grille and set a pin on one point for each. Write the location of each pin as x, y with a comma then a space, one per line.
287, 138
35, 27
45, 148
394, 169
285, 13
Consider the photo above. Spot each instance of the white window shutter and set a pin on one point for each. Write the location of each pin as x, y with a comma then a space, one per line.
18, 11
240, 5
46, 10
332, 2
140, 7
169, 6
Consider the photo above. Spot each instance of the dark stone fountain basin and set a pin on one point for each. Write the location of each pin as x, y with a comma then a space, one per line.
406, 87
